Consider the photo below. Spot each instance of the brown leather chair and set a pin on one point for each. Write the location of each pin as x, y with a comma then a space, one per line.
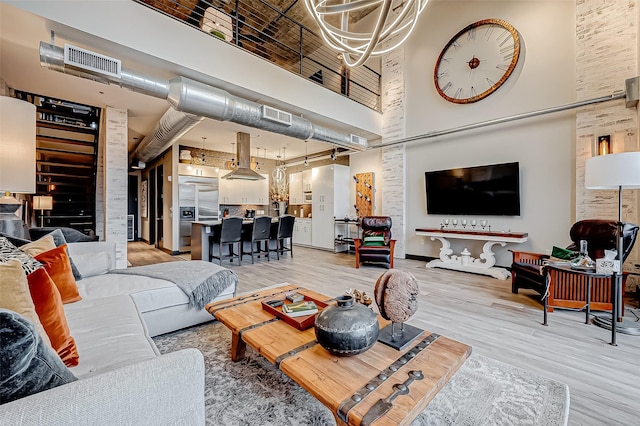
374, 227
568, 290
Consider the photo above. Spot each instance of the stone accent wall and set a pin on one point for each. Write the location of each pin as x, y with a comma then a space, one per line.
116, 181
393, 177
606, 55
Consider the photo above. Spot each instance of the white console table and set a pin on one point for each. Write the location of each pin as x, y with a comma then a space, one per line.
485, 264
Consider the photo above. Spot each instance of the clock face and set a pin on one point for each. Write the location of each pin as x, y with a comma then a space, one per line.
477, 61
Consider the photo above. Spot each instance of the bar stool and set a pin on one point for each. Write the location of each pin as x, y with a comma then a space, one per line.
284, 232
230, 232
259, 233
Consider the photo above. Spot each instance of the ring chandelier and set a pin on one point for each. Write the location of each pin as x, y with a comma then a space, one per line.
395, 18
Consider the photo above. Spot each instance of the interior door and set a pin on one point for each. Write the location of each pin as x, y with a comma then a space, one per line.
159, 202
152, 207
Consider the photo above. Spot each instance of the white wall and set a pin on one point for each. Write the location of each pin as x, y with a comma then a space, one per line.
543, 146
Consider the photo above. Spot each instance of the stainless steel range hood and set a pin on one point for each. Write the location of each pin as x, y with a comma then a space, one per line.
244, 160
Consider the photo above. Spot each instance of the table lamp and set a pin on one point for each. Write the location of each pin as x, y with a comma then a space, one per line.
17, 159
615, 171
42, 203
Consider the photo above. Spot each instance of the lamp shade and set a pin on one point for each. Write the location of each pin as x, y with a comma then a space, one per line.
17, 146
613, 171
43, 202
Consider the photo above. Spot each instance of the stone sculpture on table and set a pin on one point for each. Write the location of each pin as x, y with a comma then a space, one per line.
396, 294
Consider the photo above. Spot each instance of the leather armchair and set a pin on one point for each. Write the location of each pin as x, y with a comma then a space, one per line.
528, 271
380, 251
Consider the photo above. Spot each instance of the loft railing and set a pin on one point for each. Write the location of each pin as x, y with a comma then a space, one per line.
277, 36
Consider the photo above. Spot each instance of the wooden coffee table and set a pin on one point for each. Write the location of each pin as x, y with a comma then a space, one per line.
348, 386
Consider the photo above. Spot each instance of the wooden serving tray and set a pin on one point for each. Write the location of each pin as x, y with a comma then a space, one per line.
302, 322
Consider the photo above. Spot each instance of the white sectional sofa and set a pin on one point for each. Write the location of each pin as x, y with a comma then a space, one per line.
123, 380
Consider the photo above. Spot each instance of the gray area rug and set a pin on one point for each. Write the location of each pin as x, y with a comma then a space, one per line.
252, 392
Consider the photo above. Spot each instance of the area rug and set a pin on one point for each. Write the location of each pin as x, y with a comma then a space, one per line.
253, 392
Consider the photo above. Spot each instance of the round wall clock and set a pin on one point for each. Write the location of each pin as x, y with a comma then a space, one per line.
477, 61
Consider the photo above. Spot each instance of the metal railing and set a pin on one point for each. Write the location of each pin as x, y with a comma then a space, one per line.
275, 35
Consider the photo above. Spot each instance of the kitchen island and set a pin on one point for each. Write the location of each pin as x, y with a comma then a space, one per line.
201, 230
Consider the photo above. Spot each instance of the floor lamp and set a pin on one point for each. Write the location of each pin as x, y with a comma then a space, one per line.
615, 171
42, 203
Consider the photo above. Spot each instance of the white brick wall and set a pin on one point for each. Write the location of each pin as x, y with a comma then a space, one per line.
606, 55
393, 180
116, 182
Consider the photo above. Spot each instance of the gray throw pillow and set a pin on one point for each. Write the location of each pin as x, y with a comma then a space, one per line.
58, 240
27, 364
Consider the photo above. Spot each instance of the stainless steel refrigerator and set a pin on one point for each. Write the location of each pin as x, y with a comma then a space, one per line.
198, 198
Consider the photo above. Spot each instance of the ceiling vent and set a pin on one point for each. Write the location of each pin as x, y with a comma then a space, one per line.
91, 61
359, 140
269, 113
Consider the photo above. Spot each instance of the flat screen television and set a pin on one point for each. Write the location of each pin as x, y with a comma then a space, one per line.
491, 190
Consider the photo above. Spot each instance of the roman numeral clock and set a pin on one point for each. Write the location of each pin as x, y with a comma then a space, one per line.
477, 61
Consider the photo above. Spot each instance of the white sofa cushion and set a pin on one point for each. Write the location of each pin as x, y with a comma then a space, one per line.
148, 293
109, 333
93, 257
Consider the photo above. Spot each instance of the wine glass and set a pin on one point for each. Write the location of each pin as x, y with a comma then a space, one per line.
454, 222
474, 223
484, 223
464, 223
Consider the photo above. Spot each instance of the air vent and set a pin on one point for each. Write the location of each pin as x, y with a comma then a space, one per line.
269, 113
88, 60
359, 140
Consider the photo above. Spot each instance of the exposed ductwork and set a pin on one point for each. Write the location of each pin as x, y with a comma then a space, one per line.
243, 171
172, 125
195, 99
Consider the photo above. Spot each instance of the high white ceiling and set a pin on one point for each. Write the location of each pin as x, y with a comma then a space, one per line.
20, 35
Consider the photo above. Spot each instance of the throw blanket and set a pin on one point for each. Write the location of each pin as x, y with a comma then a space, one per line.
201, 281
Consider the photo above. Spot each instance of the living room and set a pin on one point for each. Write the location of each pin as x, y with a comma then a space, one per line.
551, 149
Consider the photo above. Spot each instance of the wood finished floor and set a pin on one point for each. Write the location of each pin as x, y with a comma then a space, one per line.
604, 381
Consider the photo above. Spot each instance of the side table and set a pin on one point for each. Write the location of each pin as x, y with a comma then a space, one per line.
590, 275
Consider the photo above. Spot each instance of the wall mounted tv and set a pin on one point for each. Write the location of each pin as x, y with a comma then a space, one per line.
491, 190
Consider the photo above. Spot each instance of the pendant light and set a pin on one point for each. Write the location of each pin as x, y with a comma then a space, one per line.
202, 154
306, 154
394, 18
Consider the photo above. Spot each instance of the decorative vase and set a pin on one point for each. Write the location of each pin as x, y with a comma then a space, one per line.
282, 208
583, 261
347, 328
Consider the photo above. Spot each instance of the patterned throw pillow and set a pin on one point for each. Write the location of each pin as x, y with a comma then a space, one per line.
367, 234
10, 252
374, 241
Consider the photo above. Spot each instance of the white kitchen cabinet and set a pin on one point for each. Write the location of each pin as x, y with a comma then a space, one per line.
307, 180
240, 191
185, 169
331, 194
302, 231
296, 195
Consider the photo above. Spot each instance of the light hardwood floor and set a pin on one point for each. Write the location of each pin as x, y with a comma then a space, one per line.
604, 381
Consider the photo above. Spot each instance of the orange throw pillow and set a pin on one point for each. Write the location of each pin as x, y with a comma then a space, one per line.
58, 266
48, 303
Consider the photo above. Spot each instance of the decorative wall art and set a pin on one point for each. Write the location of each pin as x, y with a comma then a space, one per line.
144, 201
365, 194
